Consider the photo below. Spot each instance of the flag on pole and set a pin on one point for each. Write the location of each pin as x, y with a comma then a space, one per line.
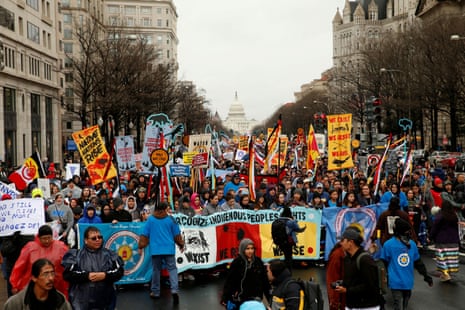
272, 144
407, 164
379, 167
252, 170
312, 148
31, 169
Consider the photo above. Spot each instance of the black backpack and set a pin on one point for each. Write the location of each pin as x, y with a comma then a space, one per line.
279, 232
311, 295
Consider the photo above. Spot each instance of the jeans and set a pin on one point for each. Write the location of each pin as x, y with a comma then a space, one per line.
401, 298
170, 263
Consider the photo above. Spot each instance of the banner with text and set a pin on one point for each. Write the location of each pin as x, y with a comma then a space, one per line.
94, 154
25, 215
212, 240
339, 138
124, 148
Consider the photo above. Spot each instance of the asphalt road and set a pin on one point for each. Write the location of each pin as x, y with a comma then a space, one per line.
204, 292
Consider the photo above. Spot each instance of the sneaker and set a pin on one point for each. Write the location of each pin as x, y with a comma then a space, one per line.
153, 296
175, 299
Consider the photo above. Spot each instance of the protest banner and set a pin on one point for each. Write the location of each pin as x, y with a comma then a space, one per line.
6, 189
25, 215
94, 154
339, 141
124, 148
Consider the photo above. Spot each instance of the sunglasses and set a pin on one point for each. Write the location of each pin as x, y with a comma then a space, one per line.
95, 238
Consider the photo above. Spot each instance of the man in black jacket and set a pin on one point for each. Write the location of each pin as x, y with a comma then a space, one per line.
120, 215
286, 291
360, 283
92, 272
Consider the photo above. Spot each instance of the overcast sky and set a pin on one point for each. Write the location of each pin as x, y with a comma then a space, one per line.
264, 50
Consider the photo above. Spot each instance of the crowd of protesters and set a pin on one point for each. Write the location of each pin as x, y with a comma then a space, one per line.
433, 201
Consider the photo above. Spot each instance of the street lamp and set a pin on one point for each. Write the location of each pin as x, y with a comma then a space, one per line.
384, 70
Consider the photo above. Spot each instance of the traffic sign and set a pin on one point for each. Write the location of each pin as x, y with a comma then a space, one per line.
159, 157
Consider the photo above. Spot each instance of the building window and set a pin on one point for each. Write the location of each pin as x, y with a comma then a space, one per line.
67, 18
158, 10
7, 18
68, 47
167, 23
10, 147
9, 57
35, 140
9, 97
69, 125
34, 68
147, 22
69, 77
130, 10
69, 92
158, 22
35, 104
113, 20
33, 4
47, 71
68, 34
146, 10
33, 33
113, 9
130, 21
65, 3
21, 26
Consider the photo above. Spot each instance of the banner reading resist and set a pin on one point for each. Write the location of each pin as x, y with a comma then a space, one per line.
339, 137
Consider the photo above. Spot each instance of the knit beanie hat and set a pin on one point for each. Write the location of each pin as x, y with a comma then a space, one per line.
437, 181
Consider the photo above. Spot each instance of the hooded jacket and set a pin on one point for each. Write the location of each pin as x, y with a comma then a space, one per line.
247, 279
62, 213
135, 213
86, 219
31, 252
78, 264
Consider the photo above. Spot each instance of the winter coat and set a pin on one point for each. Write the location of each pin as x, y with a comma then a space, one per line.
84, 294
85, 219
31, 252
246, 280
62, 213
286, 292
22, 300
445, 231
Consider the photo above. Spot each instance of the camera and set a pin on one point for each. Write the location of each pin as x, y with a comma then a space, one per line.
336, 284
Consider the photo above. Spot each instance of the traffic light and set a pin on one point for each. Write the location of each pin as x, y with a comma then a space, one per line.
373, 109
2, 56
369, 110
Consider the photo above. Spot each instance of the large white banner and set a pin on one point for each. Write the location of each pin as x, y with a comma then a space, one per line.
25, 215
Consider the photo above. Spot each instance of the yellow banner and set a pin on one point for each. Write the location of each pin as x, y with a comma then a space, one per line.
243, 143
339, 141
94, 154
188, 156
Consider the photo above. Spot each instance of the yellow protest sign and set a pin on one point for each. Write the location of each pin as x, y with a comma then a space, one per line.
339, 141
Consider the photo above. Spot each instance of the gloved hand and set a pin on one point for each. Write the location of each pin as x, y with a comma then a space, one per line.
428, 280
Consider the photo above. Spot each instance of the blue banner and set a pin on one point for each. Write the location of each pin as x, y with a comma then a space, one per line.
123, 239
337, 219
180, 170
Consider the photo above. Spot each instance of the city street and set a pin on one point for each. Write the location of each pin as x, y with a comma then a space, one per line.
205, 291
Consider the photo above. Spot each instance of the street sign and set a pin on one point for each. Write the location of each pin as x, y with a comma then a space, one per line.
159, 157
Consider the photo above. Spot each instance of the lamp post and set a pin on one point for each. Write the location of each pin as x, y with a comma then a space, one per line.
384, 70
456, 37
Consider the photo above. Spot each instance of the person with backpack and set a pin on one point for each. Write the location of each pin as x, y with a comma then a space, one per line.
286, 291
360, 282
283, 232
401, 256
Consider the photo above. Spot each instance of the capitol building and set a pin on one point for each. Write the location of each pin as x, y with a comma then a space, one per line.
236, 119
